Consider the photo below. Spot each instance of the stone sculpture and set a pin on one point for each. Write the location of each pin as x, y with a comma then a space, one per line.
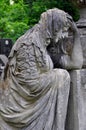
34, 94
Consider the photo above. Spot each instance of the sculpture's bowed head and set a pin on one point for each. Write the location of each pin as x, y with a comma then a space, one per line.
55, 24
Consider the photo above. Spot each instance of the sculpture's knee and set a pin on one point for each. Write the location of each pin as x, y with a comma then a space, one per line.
63, 77
66, 74
63, 73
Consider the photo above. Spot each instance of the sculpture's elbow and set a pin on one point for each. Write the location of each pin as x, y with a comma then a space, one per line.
70, 64
75, 65
79, 64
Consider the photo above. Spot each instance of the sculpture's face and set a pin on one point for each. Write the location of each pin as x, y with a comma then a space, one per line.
62, 33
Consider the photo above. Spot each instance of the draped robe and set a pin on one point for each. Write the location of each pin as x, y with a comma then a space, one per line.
36, 96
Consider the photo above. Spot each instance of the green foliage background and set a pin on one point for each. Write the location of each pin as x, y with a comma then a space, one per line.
17, 18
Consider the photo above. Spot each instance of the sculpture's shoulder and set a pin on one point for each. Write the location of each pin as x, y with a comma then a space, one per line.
24, 40
31, 36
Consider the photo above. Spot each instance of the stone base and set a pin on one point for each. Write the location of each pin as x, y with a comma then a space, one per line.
76, 116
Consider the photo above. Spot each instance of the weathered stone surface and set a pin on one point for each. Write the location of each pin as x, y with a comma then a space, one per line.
76, 117
35, 96
82, 30
83, 41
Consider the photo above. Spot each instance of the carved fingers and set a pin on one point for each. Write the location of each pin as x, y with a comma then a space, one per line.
73, 26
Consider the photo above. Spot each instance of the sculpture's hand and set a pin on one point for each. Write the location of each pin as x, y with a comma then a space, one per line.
75, 60
73, 26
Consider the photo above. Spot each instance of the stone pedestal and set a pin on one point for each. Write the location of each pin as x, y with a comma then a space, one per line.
81, 24
76, 116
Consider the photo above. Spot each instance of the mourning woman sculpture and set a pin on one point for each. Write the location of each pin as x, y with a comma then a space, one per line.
34, 95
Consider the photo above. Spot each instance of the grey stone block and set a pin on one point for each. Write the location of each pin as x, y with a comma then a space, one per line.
76, 116
81, 24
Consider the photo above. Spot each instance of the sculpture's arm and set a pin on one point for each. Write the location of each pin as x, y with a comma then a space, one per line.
75, 60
